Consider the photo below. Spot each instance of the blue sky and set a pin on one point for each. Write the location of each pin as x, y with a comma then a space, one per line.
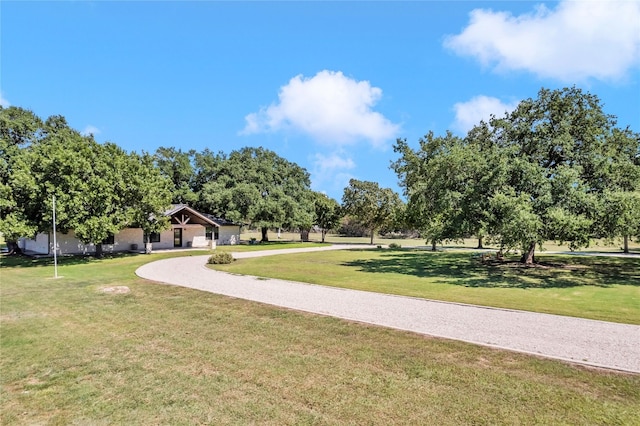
328, 85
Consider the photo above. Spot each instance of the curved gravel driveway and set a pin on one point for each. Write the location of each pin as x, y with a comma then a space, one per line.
590, 342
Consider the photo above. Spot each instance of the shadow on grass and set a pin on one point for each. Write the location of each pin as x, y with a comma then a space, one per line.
467, 270
22, 261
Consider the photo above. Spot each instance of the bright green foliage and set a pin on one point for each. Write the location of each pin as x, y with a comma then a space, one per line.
541, 172
149, 194
58, 164
177, 166
436, 179
256, 186
207, 168
372, 206
19, 128
620, 215
555, 149
619, 181
514, 214
99, 188
327, 213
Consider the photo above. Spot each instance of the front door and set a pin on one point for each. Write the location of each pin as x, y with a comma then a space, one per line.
177, 237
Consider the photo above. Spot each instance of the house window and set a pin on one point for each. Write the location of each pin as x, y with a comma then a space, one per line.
109, 240
153, 237
211, 232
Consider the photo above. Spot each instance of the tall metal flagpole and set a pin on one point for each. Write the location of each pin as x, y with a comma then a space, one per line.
55, 243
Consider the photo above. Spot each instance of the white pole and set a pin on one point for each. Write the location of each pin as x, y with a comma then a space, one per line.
55, 243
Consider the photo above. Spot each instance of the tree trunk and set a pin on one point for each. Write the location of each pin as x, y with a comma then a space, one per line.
265, 237
529, 257
324, 232
304, 235
433, 245
13, 248
626, 244
480, 242
372, 232
99, 252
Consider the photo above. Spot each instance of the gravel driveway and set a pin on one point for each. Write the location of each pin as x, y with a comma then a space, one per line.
583, 341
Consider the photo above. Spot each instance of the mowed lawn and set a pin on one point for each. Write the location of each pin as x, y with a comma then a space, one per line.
602, 288
468, 243
72, 353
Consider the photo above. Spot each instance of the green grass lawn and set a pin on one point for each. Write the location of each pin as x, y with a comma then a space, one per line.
600, 288
72, 353
270, 245
469, 243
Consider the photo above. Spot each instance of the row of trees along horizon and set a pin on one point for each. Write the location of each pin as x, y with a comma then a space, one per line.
556, 168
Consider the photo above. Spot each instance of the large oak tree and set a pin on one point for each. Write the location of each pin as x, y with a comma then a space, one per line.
258, 187
100, 189
555, 168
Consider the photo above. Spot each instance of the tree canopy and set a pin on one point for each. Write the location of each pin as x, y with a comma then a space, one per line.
177, 167
370, 205
549, 170
100, 189
327, 213
19, 128
258, 187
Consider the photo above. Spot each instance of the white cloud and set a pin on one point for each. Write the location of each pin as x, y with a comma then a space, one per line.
331, 171
576, 41
329, 107
478, 108
4, 102
333, 162
90, 130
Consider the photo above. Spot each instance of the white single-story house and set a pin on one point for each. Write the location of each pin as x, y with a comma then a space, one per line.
189, 228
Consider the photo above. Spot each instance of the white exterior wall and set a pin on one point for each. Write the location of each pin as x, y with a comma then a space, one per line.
229, 235
38, 245
193, 235
166, 240
125, 238
123, 241
69, 244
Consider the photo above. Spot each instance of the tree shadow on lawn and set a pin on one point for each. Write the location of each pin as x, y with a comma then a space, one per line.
23, 261
467, 270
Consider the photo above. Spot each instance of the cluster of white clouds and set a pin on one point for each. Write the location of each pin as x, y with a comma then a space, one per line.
576, 41
471, 112
332, 171
335, 111
331, 108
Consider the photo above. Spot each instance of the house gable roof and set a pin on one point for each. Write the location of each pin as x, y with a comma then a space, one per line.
212, 220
